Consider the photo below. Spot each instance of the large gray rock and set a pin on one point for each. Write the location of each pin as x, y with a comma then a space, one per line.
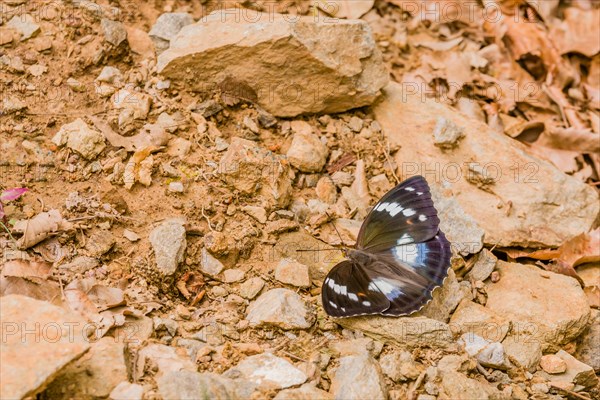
38, 340
542, 306
267, 370
193, 385
94, 375
546, 208
168, 242
166, 27
280, 307
289, 65
405, 332
576, 372
358, 377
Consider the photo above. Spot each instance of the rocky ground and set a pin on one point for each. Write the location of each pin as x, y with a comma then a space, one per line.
162, 162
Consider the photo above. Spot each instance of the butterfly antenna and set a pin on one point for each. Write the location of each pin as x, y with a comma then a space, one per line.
336, 229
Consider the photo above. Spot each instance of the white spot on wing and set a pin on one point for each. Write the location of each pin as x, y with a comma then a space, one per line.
382, 206
422, 217
333, 304
408, 253
409, 189
408, 212
387, 288
396, 210
366, 303
419, 193
330, 283
353, 297
404, 239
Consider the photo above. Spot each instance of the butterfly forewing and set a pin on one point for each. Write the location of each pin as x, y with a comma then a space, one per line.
404, 215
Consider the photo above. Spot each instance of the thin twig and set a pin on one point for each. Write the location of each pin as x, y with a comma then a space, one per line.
207, 219
570, 392
387, 158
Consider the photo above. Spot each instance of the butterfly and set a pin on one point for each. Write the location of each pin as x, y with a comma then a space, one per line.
400, 257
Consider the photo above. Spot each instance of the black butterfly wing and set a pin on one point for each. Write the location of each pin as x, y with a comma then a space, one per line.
404, 215
422, 266
348, 291
401, 257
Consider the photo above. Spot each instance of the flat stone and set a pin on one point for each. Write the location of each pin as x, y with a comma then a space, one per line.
137, 103
455, 385
258, 213
193, 385
233, 275
267, 370
279, 307
169, 243
166, 27
110, 75
35, 330
166, 359
550, 308
446, 134
462, 230
307, 152
557, 206
404, 332
588, 350
489, 354
399, 366
127, 391
475, 318
523, 351
446, 298
248, 168
485, 262
326, 190
553, 364
25, 25
358, 377
251, 288
331, 73
353, 347
94, 375
209, 265
576, 372
308, 391
115, 32
292, 273
78, 136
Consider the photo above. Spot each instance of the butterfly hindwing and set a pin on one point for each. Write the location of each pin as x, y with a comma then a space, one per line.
429, 259
404, 215
346, 292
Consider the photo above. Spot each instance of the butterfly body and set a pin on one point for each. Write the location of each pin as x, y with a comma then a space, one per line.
401, 256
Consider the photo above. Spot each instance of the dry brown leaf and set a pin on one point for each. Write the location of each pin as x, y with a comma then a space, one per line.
561, 267
578, 32
530, 46
40, 227
150, 135
103, 297
570, 139
580, 249
190, 284
26, 269
44, 290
